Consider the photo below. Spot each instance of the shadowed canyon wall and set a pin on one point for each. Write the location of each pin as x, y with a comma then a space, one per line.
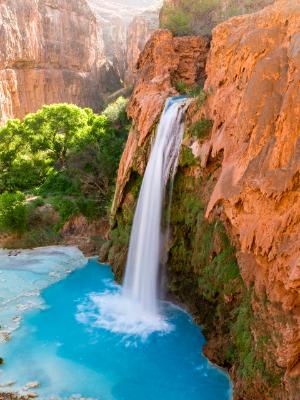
51, 52
75, 51
233, 255
138, 33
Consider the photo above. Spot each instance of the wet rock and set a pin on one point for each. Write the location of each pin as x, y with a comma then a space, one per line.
31, 395
32, 385
7, 384
164, 61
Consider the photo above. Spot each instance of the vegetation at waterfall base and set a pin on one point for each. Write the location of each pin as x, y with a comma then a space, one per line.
203, 274
63, 158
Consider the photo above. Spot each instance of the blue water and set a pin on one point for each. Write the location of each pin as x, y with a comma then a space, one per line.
69, 357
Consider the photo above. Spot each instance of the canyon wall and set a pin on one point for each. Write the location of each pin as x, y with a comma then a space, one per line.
77, 51
51, 51
253, 81
164, 61
138, 33
233, 256
127, 25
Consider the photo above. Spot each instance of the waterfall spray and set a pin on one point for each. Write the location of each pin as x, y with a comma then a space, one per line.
142, 269
134, 310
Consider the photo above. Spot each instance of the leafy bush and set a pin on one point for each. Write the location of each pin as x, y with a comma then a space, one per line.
186, 157
64, 150
181, 87
58, 182
37, 202
191, 91
37, 237
201, 128
177, 21
66, 207
13, 212
181, 17
201, 97
116, 111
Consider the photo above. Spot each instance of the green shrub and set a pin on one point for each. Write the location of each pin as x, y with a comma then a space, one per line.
13, 212
181, 87
202, 6
37, 237
196, 91
116, 110
201, 96
58, 182
201, 129
181, 18
90, 208
186, 157
66, 207
37, 202
177, 21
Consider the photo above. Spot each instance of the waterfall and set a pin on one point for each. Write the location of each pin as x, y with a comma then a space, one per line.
142, 269
133, 310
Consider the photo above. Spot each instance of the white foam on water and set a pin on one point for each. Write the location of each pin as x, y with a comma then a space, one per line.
134, 311
119, 314
25, 273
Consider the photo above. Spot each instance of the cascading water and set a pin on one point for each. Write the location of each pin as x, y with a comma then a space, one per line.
134, 309
141, 278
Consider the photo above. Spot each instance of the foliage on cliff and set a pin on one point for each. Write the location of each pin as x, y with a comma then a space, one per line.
184, 17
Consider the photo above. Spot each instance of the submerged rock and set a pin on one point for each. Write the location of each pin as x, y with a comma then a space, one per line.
32, 385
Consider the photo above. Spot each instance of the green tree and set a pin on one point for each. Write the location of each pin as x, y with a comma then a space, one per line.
66, 152
13, 212
56, 128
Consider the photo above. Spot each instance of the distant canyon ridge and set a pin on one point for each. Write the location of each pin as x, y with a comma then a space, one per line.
77, 51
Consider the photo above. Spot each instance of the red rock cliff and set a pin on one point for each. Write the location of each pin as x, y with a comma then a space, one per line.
51, 51
254, 79
138, 33
165, 60
253, 82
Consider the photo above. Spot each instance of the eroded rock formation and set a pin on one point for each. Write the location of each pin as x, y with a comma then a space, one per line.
51, 52
127, 25
254, 77
164, 61
138, 33
68, 51
243, 173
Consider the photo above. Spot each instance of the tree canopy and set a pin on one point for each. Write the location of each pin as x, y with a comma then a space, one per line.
64, 149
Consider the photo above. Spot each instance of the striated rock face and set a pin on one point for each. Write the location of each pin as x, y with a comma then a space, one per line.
243, 172
126, 25
68, 51
139, 32
51, 52
254, 77
165, 60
